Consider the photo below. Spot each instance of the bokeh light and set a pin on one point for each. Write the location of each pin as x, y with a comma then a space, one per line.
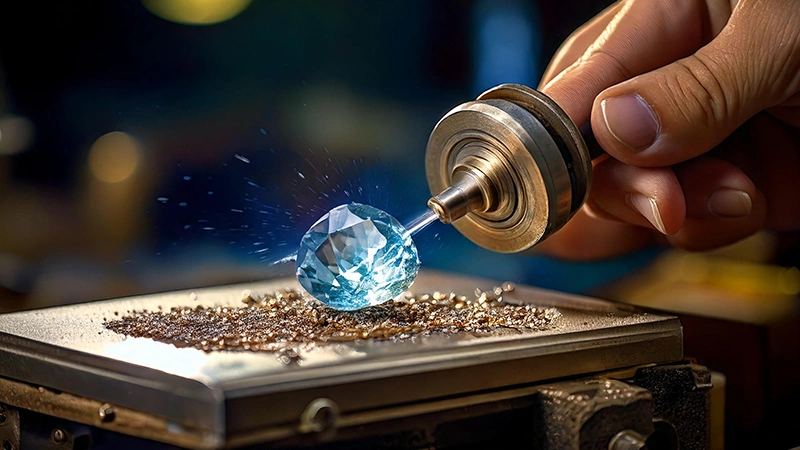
114, 157
196, 12
16, 134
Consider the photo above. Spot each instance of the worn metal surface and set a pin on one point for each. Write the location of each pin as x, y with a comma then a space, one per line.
584, 414
682, 402
589, 414
93, 412
244, 396
9, 427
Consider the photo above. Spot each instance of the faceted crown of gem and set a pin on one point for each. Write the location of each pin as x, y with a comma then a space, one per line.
356, 256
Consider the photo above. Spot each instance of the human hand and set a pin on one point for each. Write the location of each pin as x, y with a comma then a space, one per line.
697, 102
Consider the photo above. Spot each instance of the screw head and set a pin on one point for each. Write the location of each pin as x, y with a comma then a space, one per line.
58, 436
628, 440
106, 413
320, 415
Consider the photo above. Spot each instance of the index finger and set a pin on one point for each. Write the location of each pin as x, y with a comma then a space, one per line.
642, 36
577, 43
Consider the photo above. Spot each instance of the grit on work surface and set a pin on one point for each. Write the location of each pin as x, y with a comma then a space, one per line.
287, 320
532, 335
207, 326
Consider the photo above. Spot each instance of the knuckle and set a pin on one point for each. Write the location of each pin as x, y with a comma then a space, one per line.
702, 92
766, 37
610, 62
571, 43
785, 64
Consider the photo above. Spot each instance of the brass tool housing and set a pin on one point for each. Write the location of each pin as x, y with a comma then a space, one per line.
508, 169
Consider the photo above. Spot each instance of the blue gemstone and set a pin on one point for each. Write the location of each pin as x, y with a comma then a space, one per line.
356, 256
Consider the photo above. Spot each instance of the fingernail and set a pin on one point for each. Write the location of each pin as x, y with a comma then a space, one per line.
726, 202
647, 207
630, 120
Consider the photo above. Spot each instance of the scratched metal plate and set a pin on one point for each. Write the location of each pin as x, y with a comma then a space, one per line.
239, 394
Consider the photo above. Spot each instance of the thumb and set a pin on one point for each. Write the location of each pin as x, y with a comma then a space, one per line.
686, 108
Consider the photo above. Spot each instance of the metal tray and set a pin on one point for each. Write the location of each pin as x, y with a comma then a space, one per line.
62, 361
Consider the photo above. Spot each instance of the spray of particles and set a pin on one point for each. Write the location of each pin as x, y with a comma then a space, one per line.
286, 321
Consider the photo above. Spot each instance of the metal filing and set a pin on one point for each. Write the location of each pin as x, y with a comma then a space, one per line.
509, 169
288, 319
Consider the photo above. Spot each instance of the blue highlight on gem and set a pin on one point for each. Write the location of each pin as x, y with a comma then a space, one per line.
356, 256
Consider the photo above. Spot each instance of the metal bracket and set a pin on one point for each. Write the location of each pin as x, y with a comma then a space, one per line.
9, 427
588, 414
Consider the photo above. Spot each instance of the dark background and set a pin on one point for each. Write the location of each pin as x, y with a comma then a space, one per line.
343, 92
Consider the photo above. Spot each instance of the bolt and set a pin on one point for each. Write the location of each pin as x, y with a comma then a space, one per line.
320, 415
628, 440
7, 445
58, 436
107, 413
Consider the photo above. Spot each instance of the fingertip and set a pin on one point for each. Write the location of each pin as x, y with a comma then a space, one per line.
647, 197
729, 203
626, 125
648, 208
723, 204
630, 120
716, 188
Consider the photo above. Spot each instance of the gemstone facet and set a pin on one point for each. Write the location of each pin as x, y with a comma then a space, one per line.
356, 256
